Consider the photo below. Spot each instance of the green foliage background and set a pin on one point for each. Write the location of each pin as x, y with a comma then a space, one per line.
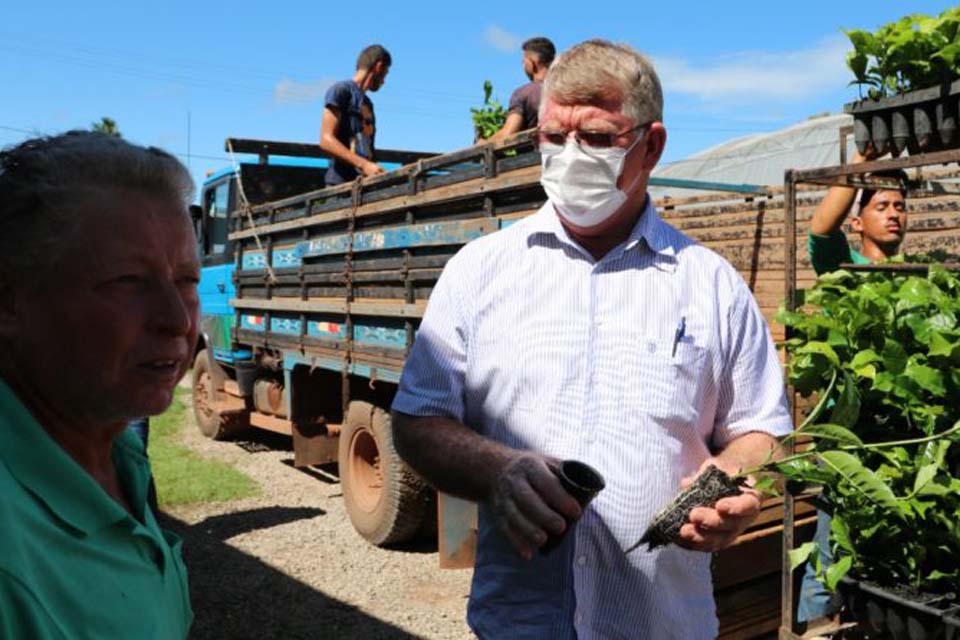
181, 475
914, 52
489, 118
882, 352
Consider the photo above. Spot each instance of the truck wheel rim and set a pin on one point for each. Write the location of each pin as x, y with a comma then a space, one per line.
366, 481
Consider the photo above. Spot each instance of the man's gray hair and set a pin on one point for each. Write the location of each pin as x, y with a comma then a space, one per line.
45, 181
599, 70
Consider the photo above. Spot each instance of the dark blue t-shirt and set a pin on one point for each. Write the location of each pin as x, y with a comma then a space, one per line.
356, 129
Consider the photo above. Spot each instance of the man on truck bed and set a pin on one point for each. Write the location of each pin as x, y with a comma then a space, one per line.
524, 109
348, 128
591, 330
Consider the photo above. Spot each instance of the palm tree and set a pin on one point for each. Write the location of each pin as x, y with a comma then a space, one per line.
107, 126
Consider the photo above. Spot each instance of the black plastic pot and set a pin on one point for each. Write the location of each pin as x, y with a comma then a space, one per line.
951, 621
919, 121
882, 614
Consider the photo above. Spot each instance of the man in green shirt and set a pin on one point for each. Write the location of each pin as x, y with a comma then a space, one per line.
881, 221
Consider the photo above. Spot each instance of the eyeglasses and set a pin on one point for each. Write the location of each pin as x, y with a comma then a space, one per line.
591, 139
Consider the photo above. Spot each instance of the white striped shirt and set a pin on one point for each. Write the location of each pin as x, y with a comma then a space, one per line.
531, 342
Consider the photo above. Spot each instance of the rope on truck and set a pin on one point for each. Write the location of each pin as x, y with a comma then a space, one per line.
248, 211
355, 194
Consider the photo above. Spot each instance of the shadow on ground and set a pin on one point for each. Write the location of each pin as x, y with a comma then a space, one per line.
236, 596
259, 440
224, 527
255, 441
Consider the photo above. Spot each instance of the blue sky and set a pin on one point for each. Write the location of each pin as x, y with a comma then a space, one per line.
259, 70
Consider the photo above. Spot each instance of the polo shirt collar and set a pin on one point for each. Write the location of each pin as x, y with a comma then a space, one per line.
47, 471
650, 228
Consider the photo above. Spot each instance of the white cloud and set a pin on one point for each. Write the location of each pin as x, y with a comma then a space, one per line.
501, 39
289, 91
756, 75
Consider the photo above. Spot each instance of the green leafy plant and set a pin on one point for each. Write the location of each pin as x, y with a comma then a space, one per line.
881, 353
489, 118
107, 126
913, 52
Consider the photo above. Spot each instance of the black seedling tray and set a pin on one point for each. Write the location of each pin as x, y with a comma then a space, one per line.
879, 613
919, 121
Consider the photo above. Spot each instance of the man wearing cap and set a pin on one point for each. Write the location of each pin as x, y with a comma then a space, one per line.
880, 219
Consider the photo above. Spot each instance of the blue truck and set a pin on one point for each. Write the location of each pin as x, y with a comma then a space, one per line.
311, 297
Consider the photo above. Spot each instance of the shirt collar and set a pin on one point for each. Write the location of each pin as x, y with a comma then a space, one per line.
650, 228
48, 472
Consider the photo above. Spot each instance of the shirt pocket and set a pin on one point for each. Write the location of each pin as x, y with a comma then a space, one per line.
668, 380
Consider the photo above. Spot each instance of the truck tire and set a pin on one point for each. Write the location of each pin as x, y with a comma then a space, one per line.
213, 423
386, 500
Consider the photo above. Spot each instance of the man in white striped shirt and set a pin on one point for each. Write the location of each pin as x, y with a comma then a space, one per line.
594, 331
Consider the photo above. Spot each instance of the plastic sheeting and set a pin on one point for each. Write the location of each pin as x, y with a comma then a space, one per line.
760, 159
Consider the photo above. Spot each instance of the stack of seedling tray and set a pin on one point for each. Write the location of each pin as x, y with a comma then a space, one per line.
919, 121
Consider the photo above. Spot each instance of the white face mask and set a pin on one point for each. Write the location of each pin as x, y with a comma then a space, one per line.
583, 185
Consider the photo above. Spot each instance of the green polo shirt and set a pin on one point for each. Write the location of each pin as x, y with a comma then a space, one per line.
73, 563
828, 252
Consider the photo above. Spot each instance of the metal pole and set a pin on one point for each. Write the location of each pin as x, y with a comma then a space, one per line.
790, 291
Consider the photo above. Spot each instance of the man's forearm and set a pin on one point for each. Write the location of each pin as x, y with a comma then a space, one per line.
745, 452
339, 151
832, 210
449, 455
510, 127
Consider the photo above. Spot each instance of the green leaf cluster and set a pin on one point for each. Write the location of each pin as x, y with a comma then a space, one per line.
913, 52
881, 353
106, 126
489, 118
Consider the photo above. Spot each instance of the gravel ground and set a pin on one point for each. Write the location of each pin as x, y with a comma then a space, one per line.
288, 564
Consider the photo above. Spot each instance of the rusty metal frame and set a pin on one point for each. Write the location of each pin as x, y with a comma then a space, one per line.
840, 175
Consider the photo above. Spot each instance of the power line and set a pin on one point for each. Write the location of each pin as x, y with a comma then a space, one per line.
94, 55
189, 154
18, 130
294, 93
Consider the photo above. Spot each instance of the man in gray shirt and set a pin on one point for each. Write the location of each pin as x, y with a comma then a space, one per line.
538, 54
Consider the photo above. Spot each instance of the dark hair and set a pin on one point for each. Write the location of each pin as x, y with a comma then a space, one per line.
372, 55
897, 174
43, 180
543, 48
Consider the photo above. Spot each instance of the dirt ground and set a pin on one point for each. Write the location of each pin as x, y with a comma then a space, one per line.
288, 564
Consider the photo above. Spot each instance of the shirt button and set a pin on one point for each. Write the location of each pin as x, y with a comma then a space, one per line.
582, 560
651, 346
579, 618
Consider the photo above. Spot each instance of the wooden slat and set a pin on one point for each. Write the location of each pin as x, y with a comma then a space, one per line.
388, 308
476, 187
305, 150
271, 423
